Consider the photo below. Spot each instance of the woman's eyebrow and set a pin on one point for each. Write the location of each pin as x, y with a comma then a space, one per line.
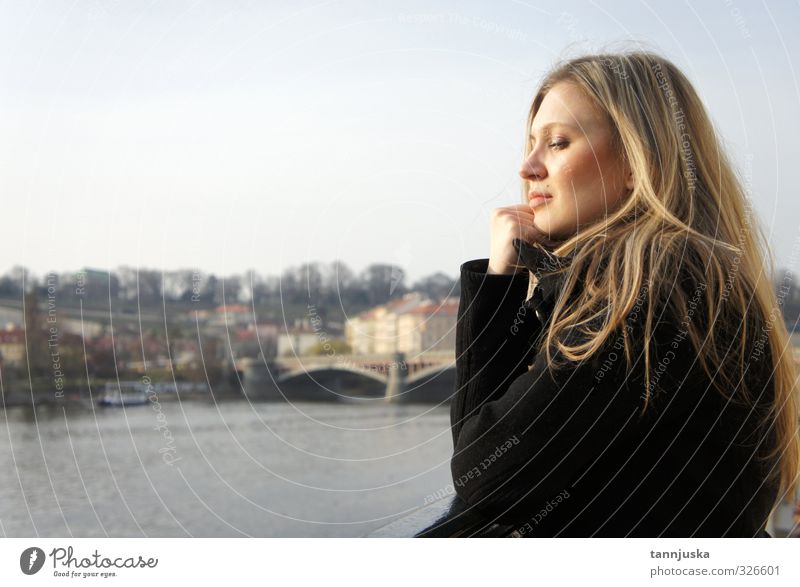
545, 130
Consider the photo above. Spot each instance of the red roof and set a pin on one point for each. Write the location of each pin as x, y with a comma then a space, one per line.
436, 309
11, 336
245, 335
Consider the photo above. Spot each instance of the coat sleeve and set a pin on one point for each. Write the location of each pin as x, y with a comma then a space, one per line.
493, 338
523, 435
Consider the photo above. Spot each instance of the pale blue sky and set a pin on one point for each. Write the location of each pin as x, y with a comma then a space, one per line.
236, 135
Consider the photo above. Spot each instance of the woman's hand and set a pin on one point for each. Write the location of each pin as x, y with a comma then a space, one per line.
507, 224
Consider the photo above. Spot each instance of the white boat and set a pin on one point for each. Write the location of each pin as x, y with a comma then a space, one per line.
124, 393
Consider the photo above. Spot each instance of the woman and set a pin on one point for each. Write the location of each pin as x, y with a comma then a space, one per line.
622, 364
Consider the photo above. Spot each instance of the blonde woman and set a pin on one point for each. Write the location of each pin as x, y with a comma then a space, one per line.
623, 368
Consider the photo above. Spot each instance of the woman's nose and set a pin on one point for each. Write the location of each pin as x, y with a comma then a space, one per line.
532, 167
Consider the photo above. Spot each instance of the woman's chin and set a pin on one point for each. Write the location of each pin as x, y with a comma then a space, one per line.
544, 226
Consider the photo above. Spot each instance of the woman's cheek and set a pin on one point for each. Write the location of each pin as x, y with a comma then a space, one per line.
567, 214
557, 218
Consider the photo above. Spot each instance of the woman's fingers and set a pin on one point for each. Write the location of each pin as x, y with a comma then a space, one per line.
515, 216
508, 223
522, 217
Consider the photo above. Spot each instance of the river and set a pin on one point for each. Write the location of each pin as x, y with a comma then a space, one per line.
180, 469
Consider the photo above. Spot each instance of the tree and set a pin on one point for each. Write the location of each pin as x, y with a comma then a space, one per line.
311, 280
339, 282
36, 336
127, 282
8, 287
381, 282
437, 286
149, 287
178, 285
211, 291
231, 289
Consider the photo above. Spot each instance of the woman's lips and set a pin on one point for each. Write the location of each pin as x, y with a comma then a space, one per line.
537, 199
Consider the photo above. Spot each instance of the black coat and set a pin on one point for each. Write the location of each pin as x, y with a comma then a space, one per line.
565, 452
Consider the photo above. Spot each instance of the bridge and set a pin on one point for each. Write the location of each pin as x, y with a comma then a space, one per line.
423, 378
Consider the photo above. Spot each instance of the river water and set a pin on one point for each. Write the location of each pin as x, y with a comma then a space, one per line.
179, 469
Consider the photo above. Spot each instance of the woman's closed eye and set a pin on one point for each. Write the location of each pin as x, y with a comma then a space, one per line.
558, 145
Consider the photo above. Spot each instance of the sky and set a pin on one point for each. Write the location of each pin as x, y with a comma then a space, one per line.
228, 136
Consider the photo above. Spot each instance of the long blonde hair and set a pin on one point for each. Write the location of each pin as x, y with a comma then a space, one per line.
687, 207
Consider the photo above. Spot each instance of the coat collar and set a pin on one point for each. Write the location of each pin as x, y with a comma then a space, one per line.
548, 269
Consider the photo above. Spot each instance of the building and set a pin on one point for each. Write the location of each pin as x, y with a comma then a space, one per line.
412, 325
428, 327
256, 341
232, 315
296, 341
12, 346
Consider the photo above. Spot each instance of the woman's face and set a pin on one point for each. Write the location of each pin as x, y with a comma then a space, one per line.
572, 164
